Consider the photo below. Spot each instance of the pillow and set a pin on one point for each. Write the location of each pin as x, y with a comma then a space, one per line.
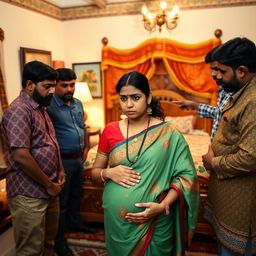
185, 124
91, 158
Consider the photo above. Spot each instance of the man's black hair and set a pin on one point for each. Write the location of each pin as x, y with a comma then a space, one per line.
66, 74
237, 52
37, 71
210, 55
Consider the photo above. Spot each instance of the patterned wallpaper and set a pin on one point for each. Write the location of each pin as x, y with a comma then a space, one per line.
116, 9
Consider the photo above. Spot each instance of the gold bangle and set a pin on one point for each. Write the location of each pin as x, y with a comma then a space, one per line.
101, 175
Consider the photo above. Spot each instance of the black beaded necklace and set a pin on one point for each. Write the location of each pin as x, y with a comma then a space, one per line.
143, 140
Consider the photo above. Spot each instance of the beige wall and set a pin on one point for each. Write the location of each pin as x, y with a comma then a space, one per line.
24, 28
80, 40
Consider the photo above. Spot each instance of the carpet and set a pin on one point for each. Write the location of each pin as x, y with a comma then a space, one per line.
87, 244
203, 245
94, 244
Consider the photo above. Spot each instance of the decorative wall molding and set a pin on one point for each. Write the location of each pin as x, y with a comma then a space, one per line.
40, 6
117, 9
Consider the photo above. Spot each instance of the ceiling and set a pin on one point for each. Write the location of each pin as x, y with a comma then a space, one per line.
79, 3
69, 3
81, 9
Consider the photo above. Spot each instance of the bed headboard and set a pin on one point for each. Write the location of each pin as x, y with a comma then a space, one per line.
170, 109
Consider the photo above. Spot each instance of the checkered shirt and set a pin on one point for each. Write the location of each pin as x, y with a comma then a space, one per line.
214, 112
26, 125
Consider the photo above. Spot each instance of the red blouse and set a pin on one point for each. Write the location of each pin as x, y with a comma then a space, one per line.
110, 137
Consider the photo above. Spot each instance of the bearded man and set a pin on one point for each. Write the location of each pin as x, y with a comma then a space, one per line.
35, 174
231, 206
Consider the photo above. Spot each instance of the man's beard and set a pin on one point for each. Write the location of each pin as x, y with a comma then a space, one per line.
67, 97
232, 86
43, 101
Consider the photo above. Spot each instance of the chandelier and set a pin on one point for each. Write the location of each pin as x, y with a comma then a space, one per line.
161, 18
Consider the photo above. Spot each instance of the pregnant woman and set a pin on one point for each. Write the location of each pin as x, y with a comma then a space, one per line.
151, 193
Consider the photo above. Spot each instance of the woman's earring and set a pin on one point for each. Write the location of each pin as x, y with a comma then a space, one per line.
149, 110
123, 116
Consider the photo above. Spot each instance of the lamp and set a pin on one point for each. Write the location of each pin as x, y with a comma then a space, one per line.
82, 92
160, 18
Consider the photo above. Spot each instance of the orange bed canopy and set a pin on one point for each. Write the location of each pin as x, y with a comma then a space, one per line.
184, 63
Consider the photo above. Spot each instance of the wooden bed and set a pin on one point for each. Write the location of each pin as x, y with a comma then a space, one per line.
198, 141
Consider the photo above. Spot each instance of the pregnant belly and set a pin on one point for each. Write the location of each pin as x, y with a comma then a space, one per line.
119, 200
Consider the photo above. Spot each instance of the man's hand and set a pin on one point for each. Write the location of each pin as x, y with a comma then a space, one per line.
187, 104
207, 159
62, 178
53, 189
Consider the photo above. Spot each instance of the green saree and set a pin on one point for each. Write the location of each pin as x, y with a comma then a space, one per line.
165, 162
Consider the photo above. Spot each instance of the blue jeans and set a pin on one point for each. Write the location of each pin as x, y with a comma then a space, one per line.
70, 197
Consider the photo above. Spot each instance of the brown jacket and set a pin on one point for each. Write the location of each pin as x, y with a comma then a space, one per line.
231, 206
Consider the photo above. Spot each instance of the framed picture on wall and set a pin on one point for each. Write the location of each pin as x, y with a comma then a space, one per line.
28, 54
90, 73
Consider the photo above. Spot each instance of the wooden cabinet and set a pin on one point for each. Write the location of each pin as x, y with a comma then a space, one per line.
91, 203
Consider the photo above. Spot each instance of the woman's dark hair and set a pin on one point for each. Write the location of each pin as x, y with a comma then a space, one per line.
37, 71
140, 82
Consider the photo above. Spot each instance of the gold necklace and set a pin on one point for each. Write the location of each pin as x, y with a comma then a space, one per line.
143, 140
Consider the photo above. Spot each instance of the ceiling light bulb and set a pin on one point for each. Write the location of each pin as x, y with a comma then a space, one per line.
144, 10
163, 5
176, 9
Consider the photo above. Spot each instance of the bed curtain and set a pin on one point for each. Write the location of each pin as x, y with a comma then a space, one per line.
183, 62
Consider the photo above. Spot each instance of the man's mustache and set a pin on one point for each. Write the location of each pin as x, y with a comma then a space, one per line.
68, 93
219, 82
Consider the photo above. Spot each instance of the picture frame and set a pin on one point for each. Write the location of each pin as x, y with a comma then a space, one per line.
29, 54
90, 73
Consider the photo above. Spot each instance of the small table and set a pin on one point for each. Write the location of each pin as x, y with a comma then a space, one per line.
93, 131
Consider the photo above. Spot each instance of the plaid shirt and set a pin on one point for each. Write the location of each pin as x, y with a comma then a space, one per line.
212, 112
26, 125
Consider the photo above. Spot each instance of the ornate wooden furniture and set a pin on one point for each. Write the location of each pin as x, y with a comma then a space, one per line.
91, 203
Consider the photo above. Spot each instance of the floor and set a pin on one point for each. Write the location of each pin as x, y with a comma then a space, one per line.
8, 249
7, 243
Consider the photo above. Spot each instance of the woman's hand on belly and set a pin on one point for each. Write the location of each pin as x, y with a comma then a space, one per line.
151, 210
123, 175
